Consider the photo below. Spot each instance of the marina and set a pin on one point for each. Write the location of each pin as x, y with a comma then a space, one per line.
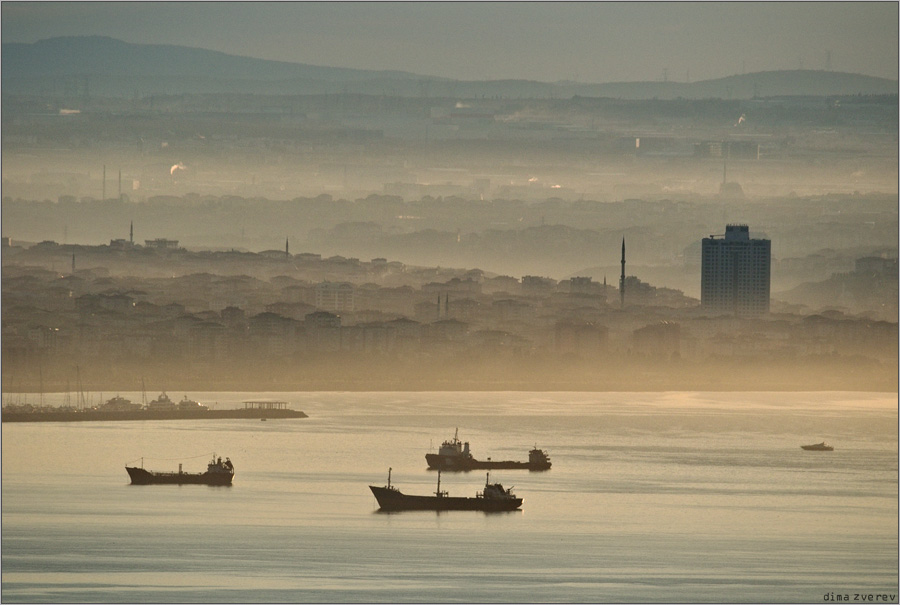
120, 409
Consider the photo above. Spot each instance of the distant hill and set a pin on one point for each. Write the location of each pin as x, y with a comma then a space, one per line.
103, 56
101, 66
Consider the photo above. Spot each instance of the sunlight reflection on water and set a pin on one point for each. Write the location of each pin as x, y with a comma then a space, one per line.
652, 497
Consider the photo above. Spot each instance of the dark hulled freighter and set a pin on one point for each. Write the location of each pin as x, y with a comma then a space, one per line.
494, 498
454, 455
217, 473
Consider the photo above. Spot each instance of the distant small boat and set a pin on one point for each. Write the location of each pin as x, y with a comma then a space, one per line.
217, 473
818, 447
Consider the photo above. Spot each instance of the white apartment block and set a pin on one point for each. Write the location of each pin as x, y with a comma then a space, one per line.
334, 296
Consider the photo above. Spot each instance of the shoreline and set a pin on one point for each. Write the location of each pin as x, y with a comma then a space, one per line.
885, 386
55, 415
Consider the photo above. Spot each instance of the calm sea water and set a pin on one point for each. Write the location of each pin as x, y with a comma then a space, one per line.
653, 497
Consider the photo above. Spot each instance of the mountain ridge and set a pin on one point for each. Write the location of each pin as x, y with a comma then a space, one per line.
111, 67
168, 59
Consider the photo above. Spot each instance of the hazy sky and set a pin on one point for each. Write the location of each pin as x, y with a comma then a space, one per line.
588, 42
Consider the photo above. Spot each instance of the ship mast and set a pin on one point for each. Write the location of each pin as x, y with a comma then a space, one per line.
81, 401
41, 373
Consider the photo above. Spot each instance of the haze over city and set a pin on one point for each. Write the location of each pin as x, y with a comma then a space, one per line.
637, 260
468, 191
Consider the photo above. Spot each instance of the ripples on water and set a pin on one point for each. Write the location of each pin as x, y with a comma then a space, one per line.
670, 497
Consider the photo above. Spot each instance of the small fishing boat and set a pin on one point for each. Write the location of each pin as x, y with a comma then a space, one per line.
818, 447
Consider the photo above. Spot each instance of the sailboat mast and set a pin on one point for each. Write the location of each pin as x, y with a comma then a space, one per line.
80, 389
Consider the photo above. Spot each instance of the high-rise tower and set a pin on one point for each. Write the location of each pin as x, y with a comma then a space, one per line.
735, 274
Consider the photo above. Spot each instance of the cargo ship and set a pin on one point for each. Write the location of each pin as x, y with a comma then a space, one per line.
217, 473
454, 455
494, 498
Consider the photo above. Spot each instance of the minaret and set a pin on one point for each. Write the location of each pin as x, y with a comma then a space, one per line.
73, 263
131, 234
622, 277
287, 250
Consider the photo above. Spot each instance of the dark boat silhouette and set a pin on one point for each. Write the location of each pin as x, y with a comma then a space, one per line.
818, 447
217, 473
494, 498
454, 455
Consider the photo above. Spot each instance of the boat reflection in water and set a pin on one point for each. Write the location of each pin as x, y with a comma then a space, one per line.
217, 473
494, 498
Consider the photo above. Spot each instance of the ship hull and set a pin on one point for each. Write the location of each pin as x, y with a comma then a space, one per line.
393, 500
141, 476
456, 463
